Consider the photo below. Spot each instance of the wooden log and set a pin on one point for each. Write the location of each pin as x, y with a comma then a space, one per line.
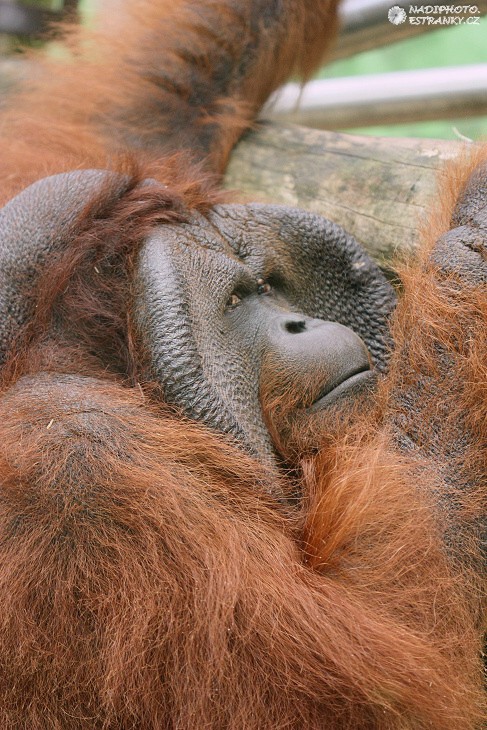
378, 189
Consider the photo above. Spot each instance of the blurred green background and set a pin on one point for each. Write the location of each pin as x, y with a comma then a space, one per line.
453, 46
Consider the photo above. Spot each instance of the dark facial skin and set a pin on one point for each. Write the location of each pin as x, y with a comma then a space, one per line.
233, 306
232, 310
325, 358
306, 366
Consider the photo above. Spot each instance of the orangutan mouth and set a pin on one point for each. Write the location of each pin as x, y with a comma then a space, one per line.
351, 385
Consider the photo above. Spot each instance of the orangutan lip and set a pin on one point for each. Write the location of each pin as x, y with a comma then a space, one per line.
354, 382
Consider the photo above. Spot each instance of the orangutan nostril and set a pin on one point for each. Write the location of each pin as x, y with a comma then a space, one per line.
295, 327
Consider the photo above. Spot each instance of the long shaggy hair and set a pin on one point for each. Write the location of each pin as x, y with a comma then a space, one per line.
147, 579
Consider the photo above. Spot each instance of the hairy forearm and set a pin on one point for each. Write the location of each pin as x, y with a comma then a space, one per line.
206, 68
152, 79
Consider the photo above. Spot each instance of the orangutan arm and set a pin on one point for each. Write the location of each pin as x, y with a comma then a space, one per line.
153, 79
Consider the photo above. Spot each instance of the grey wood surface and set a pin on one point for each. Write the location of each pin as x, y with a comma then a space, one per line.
379, 189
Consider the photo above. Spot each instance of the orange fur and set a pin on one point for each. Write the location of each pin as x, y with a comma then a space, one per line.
158, 77
147, 580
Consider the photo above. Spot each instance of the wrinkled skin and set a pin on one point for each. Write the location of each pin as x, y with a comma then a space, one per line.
236, 493
217, 296
107, 502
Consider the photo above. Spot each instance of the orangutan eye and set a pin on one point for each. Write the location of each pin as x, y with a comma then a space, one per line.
263, 287
233, 301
